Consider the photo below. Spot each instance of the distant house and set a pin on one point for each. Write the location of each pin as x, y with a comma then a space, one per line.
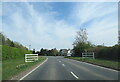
63, 52
66, 52
69, 53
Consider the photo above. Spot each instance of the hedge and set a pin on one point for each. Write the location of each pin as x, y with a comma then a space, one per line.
110, 53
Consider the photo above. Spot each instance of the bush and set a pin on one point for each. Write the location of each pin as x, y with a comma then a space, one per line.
110, 53
80, 48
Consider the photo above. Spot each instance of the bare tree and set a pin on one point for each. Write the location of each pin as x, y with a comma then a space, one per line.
81, 36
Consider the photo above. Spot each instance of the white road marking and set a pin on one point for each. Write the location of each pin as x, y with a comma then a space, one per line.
59, 61
33, 70
101, 67
63, 64
74, 75
95, 65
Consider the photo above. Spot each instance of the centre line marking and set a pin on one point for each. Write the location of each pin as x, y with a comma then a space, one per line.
74, 75
59, 61
63, 64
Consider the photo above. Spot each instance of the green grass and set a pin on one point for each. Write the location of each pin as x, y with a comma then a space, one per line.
0, 70
12, 52
10, 68
0, 62
105, 63
13, 61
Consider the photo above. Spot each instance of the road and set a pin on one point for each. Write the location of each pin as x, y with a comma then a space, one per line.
60, 68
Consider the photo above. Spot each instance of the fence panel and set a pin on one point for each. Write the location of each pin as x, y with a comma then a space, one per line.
31, 57
88, 55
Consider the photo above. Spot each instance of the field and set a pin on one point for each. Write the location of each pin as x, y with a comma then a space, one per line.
13, 67
104, 63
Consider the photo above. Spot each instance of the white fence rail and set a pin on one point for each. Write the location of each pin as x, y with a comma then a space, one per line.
31, 57
88, 55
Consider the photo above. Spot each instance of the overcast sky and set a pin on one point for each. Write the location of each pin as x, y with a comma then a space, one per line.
54, 24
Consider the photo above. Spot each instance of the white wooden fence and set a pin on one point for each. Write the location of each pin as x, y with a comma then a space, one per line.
88, 55
31, 57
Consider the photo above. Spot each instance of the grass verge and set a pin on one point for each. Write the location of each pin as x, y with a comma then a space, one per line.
15, 66
12, 52
105, 63
0, 70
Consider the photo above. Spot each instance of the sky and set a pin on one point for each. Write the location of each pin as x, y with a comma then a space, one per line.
54, 24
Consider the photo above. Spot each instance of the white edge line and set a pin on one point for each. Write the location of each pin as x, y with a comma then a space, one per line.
74, 75
33, 70
101, 67
96, 65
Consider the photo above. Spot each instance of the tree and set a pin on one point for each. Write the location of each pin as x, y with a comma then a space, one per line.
81, 37
2, 39
81, 43
41, 51
37, 52
54, 52
33, 51
12, 44
8, 42
44, 52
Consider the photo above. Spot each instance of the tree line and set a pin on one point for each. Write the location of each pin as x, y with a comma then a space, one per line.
81, 44
11, 49
46, 52
7, 42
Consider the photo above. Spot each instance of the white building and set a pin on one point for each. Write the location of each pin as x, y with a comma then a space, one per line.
69, 53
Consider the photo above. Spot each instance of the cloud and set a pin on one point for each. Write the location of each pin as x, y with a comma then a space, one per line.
0, 17
100, 20
37, 25
39, 29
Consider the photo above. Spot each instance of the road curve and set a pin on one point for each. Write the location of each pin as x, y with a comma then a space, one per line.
60, 68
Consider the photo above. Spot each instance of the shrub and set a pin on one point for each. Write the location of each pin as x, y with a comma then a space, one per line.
110, 53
